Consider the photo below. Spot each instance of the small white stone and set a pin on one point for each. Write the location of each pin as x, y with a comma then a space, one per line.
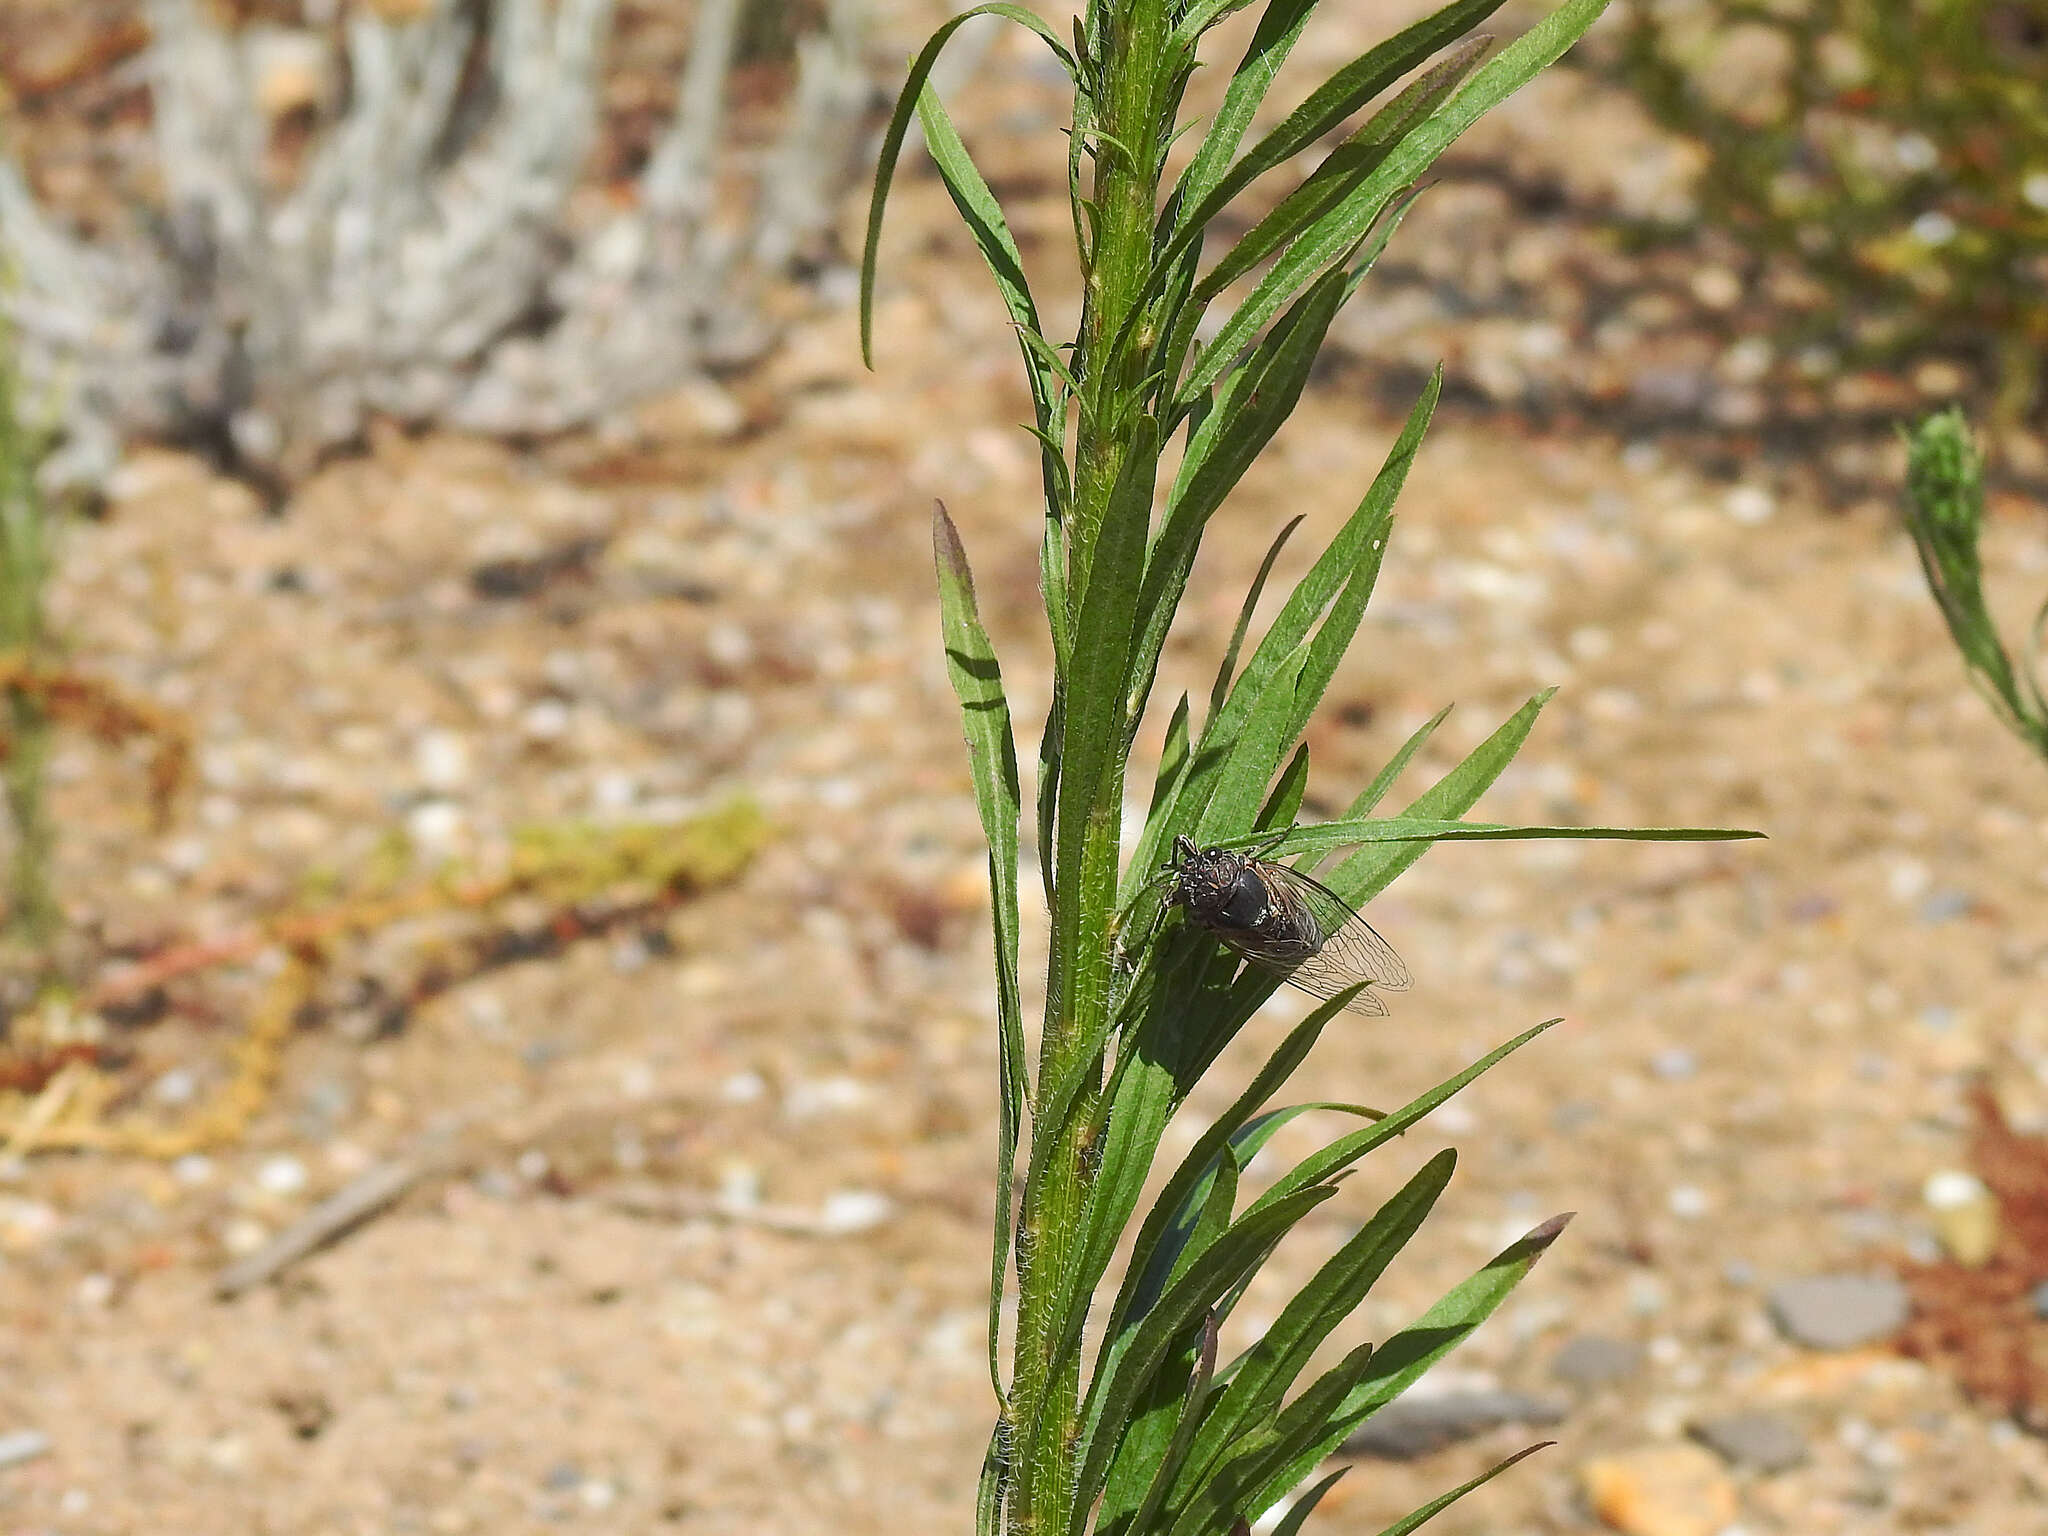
739, 1185
441, 759
1589, 642
193, 1169
243, 1236
283, 1175
614, 790
1750, 505
1934, 228
854, 1210
532, 1165
2035, 190
824, 1095
1953, 1188
729, 646
547, 720
1688, 1202
435, 826
743, 1088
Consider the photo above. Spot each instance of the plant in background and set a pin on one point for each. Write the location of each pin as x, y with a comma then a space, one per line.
1125, 1420
1945, 515
418, 262
39, 692
1893, 153
32, 911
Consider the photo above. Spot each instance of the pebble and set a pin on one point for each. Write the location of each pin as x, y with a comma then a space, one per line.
1838, 1311
1964, 1214
854, 1210
1750, 505
1675, 1065
1418, 1425
1676, 1490
19, 1445
1946, 906
1596, 1360
434, 826
281, 1176
441, 758
1688, 1202
1756, 1441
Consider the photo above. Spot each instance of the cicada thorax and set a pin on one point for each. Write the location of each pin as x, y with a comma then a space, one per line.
1284, 921
1245, 902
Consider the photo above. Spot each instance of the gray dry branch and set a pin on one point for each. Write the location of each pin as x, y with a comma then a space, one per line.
418, 265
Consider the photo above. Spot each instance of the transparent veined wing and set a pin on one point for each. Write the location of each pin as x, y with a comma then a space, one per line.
1328, 947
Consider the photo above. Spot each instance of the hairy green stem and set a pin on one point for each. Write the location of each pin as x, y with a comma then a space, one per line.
1130, 46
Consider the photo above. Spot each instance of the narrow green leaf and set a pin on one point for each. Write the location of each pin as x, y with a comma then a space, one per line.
1277, 31
1250, 409
1237, 1489
1326, 835
1130, 1359
1376, 791
1253, 755
1327, 106
1173, 758
1244, 614
1373, 868
1200, 17
1333, 637
1311, 1428
1346, 1150
1438, 1505
1168, 1464
1340, 229
1299, 1511
1123, 1179
1270, 1367
1359, 544
1347, 165
899, 127
1048, 354
1091, 762
983, 216
1402, 1360
1283, 805
988, 1498
992, 758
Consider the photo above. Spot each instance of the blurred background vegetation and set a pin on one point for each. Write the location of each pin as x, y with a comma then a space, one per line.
1884, 163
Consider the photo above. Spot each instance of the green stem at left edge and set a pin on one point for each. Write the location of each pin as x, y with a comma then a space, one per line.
1130, 44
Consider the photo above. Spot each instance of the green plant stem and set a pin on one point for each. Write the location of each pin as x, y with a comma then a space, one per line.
1045, 1391
33, 914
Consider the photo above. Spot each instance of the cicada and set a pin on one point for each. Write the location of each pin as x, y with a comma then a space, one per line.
1283, 921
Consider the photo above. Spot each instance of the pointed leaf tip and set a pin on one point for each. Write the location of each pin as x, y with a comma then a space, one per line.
946, 545
1541, 1237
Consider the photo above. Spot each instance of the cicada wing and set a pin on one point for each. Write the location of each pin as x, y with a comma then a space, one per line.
1337, 948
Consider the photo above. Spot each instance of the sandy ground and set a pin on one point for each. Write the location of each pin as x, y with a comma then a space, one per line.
1765, 1051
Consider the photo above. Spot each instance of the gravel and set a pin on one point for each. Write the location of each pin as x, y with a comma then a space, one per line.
1596, 1360
1753, 1441
21, 1445
1416, 1426
1838, 1311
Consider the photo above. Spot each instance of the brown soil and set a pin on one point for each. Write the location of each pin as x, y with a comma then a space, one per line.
1767, 1047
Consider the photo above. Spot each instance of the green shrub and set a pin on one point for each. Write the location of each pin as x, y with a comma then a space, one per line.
1945, 514
1129, 1423
1891, 153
